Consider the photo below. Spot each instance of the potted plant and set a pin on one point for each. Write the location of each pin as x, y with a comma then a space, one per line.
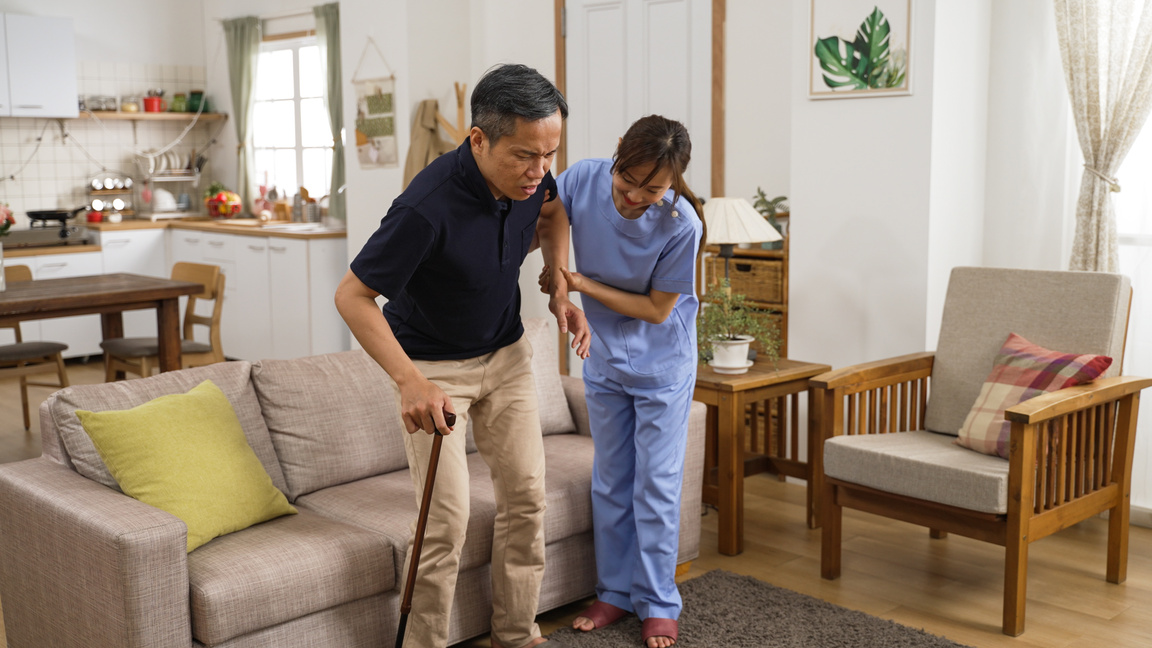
726, 327
769, 209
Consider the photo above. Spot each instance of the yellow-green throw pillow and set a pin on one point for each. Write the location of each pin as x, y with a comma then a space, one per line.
186, 454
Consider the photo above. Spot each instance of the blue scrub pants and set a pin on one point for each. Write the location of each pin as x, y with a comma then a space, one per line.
640, 436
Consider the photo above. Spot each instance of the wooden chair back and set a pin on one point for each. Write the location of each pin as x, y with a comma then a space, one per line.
213, 281
12, 274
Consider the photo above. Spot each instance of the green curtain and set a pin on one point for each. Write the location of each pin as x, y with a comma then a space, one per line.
242, 36
328, 36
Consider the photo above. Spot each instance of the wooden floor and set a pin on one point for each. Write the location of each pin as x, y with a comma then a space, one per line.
950, 587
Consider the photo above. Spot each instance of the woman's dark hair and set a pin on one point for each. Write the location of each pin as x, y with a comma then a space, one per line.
509, 91
663, 141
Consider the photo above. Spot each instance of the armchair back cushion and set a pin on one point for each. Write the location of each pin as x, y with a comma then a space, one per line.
984, 305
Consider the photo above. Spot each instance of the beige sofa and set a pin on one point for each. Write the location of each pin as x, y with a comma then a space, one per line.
82, 564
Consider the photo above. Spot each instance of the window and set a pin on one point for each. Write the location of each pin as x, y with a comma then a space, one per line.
1133, 207
291, 135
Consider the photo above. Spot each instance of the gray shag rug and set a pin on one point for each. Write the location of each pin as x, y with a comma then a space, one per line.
726, 609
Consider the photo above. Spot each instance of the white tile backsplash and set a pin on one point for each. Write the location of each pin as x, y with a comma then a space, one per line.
56, 175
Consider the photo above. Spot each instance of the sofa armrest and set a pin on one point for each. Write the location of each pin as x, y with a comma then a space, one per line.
77, 555
574, 394
690, 496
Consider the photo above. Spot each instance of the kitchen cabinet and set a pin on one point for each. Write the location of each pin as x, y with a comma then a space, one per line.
278, 295
136, 252
40, 67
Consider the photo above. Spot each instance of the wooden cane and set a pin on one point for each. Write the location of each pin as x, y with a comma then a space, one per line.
421, 524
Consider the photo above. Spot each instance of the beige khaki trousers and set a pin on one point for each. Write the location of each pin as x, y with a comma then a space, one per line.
498, 393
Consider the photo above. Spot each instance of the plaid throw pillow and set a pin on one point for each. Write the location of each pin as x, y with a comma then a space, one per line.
1021, 371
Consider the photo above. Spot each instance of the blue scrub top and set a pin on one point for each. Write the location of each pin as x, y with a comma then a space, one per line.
655, 251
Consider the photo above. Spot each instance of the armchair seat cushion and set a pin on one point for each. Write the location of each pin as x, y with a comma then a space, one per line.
924, 465
283, 570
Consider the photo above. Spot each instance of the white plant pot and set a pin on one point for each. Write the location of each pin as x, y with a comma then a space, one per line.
731, 356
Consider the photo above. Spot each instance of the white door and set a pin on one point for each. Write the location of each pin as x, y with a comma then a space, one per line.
630, 58
627, 59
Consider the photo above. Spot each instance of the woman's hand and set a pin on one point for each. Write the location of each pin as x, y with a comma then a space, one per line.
575, 280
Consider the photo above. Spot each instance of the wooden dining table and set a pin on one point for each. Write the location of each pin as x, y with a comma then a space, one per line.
107, 295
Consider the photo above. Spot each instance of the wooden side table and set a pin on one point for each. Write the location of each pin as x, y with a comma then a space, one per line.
726, 461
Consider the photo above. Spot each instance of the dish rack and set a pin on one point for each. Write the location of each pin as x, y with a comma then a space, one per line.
167, 176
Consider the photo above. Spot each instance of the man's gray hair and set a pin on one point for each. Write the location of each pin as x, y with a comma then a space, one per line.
509, 91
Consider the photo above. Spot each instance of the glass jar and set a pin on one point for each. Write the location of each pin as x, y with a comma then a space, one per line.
179, 102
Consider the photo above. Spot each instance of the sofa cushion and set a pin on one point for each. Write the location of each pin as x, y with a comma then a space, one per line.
332, 419
554, 415
282, 570
984, 305
387, 505
186, 454
920, 464
1021, 371
231, 377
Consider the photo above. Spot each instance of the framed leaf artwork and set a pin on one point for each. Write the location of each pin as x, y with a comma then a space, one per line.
859, 48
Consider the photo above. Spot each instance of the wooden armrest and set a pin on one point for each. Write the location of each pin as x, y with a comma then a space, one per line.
1063, 401
876, 370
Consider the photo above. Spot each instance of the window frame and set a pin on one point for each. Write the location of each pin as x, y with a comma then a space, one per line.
293, 44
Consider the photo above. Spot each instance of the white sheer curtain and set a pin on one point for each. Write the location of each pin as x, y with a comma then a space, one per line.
1106, 49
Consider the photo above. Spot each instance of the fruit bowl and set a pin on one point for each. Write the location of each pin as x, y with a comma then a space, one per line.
223, 204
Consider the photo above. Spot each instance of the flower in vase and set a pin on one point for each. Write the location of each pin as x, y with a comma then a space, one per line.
7, 220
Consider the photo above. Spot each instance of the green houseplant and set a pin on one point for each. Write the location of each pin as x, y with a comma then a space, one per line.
727, 326
768, 209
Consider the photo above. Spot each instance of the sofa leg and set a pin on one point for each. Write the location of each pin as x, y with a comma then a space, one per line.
830, 535
683, 568
937, 534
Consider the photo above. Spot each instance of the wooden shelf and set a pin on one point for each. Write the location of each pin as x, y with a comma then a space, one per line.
110, 115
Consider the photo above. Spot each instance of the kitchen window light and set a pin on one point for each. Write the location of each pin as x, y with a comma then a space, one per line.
291, 138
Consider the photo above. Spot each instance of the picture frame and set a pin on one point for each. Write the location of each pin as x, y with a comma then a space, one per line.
859, 48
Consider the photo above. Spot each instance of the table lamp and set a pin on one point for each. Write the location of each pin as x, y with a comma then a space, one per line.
735, 220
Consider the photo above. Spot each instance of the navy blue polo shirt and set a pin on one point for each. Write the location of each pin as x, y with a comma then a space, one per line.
447, 256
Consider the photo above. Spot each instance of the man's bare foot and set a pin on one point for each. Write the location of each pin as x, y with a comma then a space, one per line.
535, 642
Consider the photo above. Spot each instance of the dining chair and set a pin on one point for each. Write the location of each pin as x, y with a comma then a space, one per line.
25, 359
141, 355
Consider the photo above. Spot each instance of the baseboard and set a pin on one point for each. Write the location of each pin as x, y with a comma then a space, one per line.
1140, 516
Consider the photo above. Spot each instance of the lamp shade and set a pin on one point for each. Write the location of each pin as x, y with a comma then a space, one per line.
735, 220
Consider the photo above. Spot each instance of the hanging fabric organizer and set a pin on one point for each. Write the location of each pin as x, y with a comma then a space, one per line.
376, 145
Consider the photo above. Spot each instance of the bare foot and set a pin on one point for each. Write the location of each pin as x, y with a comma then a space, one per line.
660, 642
583, 624
535, 642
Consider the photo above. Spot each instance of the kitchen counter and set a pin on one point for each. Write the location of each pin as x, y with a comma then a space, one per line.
251, 227
244, 226
18, 253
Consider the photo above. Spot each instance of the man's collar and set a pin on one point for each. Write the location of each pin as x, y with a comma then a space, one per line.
474, 178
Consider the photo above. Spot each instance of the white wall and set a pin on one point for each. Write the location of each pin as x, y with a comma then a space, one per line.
126, 31
860, 172
959, 148
1027, 189
758, 98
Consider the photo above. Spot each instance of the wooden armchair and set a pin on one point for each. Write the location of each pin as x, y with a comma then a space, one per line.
888, 427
